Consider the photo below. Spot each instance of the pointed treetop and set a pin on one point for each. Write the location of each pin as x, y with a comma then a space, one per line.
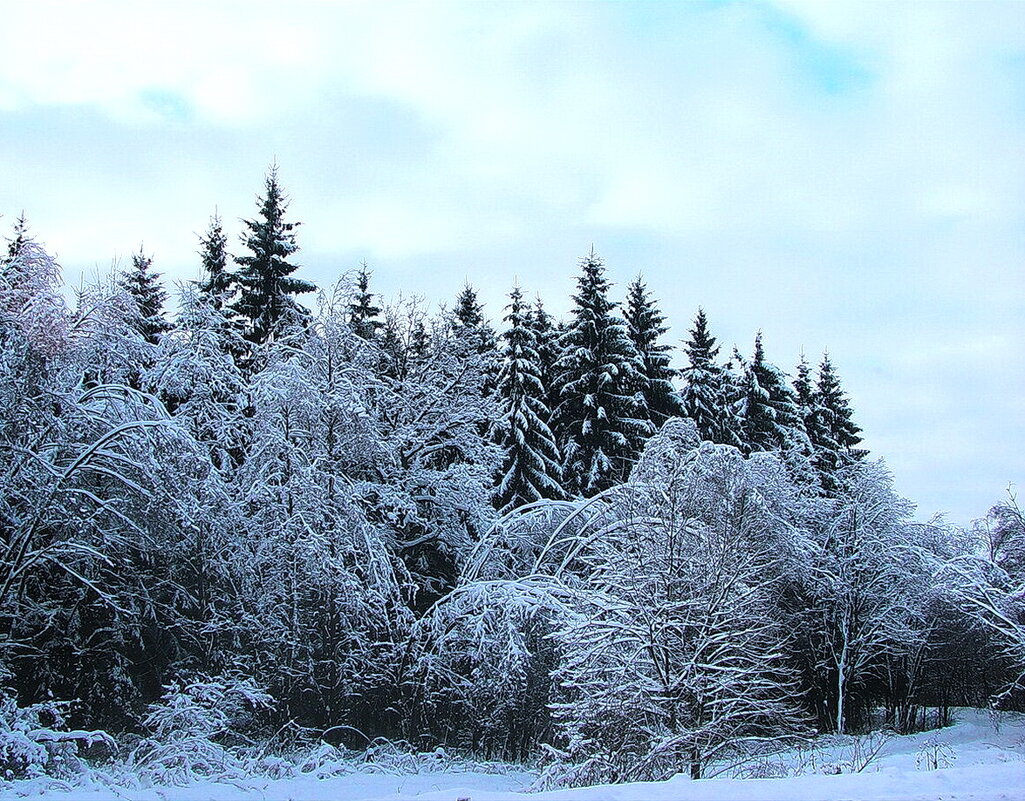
601, 421
21, 236
645, 326
470, 326
701, 347
771, 418
530, 469
149, 295
267, 286
803, 389
213, 254
469, 313
364, 314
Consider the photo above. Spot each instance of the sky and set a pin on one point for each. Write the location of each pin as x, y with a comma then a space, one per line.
848, 177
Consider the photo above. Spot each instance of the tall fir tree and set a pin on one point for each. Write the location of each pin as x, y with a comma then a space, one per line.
474, 337
149, 295
363, 313
469, 324
833, 433
216, 285
770, 415
804, 391
419, 341
644, 324
706, 392
267, 286
806, 398
530, 467
600, 422
734, 400
21, 236
546, 341
10, 264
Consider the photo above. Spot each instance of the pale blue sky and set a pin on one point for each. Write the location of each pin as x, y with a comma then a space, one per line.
842, 176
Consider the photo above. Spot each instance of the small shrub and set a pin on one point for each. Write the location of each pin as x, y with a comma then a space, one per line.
35, 741
934, 754
193, 728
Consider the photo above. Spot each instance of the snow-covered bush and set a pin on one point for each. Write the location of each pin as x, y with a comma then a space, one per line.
989, 587
193, 729
675, 658
935, 754
34, 741
479, 668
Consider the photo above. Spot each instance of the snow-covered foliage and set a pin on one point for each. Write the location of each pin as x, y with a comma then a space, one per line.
189, 729
35, 741
531, 469
989, 586
645, 327
479, 664
706, 388
412, 539
601, 420
675, 656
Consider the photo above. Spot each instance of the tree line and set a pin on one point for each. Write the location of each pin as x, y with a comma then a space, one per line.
539, 542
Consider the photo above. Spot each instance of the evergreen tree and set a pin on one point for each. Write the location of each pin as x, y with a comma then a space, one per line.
265, 276
473, 337
806, 398
804, 391
704, 395
733, 403
770, 414
469, 325
546, 341
530, 469
393, 365
644, 323
834, 436
213, 254
149, 295
21, 236
600, 421
363, 314
419, 341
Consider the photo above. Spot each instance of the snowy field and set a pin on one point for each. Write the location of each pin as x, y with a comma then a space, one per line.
982, 756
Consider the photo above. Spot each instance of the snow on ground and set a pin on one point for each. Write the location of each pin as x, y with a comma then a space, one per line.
980, 758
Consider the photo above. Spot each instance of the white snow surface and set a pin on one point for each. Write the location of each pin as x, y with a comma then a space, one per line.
980, 757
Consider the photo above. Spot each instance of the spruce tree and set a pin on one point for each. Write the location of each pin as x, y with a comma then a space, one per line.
267, 287
546, 341
834, 435
363, 314
804, 391
473, 336
149, 295
733, 401
600, 422
770, 414
644, 323
216, 285
469, 325
21, 236
530, 468
10, 265
704, 394
807, 402
394, 363
419, 341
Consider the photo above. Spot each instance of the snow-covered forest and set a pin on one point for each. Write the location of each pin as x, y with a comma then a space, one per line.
256, 527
